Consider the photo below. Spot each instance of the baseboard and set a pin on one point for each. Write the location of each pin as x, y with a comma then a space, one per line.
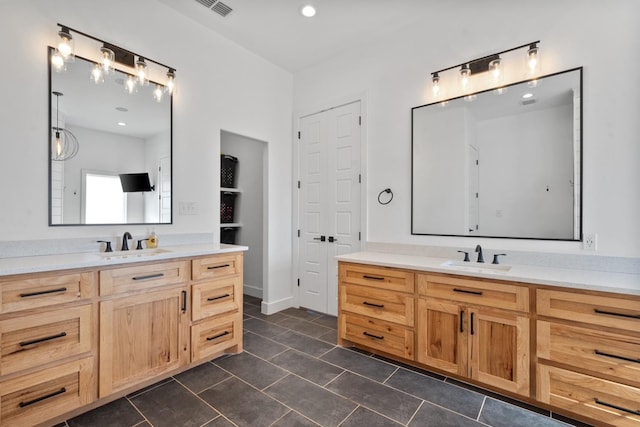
276, 306
252, 291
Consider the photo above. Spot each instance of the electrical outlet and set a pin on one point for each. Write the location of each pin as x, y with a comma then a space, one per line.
590, 242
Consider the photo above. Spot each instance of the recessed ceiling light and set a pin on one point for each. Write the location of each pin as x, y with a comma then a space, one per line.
308, 11
122, 124
527, 95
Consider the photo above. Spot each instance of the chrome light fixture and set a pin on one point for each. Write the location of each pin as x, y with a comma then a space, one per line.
170, 87
141, 72
65, 144
494, 65
66, 44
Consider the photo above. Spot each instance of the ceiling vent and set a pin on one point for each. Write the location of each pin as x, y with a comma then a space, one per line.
217, 6
529, 101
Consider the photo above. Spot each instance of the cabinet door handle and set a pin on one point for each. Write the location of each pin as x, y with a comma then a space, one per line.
41, 398
373, 305
461, 321
220, 297
150, 276
464, 291
39, 340
472, 330
218, 336
373, 277
615, 356
51, 291
620, 408
213, 267
184, 301
612, 313
378, 337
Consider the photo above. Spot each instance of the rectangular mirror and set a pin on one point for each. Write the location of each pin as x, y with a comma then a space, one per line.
117, 134
501, 163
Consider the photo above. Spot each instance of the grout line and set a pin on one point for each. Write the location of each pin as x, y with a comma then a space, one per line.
481, 408
139, 411
348, 415
416, 412
390, 375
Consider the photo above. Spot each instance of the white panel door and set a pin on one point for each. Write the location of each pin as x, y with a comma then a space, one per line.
164, 182
329, 201
472, 192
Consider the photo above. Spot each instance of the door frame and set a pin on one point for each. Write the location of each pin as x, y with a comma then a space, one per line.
295, 206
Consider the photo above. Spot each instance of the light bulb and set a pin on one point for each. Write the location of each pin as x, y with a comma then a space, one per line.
436, 84
108, 57
157, 94
495, 72
171, 82
57, 61
141, 72
533, 60
465, 73
65, 45
58, 144
130, 85
97, 74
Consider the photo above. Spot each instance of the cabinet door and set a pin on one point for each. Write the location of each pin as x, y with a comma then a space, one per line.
442, 339
499, 349
142, 336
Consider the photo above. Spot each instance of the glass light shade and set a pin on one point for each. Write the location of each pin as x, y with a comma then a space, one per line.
65, 44
57, 61
130, 85
436, 84
533, 60
465, 77
97, 74
108, 58
141, 72
157, 93
171, 82
495, 72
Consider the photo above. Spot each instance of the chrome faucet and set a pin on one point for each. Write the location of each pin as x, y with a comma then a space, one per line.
125, 243
479, 250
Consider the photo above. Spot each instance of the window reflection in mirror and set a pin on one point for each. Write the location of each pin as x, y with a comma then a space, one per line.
117, 133
501, 164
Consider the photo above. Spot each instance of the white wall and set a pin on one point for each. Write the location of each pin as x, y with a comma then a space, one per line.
600, 35
220, 85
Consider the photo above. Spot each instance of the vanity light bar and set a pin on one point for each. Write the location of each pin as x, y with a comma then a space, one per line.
486, 63
122, 56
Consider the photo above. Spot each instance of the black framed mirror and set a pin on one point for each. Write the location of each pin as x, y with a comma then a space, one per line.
501, 163
118, 134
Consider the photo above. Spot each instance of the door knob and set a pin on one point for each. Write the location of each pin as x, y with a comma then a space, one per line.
332, 239
321, 238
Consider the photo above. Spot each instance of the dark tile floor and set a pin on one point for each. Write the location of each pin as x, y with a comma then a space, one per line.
293, 374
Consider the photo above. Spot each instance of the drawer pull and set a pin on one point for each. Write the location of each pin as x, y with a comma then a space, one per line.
41, 398
373, 277
213, 267
51, 291
461, 321
220, 297
472, 331
150, 276
464, 291
39, 340
373, 305
378, 337
218, 336
620, 408
612, 313
627, 359
184, 301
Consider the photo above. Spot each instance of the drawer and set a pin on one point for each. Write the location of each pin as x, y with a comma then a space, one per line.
605, 353
620, 313
40, 396
216, 266
140, 277
213, 337
490, 294
377, 334
30, 341
33, 291
216, 297
377, 277
606, 401
386, 305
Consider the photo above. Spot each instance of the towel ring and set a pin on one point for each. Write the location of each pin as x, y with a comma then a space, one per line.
388, 191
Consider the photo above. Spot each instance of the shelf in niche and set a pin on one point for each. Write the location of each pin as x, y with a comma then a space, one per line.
230, 190
230, 224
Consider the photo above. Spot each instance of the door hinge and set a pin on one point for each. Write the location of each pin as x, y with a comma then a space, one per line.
477, 163
298, 184
359, 235
298, 134
359, 178
476, 195
298, 282
360, 120
298, 232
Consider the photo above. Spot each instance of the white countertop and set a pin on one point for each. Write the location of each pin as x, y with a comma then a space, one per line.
33, 264
577, 279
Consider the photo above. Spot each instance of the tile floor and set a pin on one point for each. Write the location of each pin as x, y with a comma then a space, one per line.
292, 374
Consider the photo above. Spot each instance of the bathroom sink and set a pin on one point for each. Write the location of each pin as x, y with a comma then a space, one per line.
476, 267
133, 253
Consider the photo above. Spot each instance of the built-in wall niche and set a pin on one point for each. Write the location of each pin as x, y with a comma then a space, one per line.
501, 163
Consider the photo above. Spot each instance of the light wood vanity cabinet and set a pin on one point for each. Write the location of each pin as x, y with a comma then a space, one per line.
588, 349
71, 339
475, 328
47, 345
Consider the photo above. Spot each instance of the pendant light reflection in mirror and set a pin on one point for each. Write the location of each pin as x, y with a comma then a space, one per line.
64, 145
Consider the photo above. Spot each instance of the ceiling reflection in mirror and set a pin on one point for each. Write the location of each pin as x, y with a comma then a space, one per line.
118, 133
501, 163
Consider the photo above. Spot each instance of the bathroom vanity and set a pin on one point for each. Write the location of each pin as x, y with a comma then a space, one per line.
544, 336
76, 338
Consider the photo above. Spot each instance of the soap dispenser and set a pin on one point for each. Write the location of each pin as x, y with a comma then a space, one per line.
153, 240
